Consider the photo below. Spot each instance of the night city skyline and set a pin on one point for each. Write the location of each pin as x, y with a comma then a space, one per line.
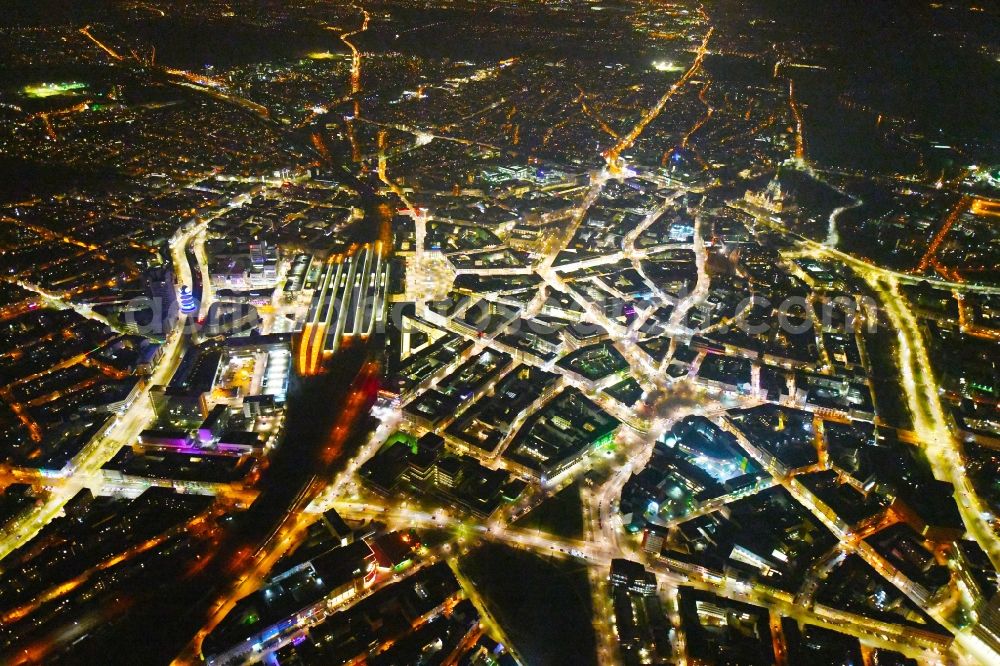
498, 333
